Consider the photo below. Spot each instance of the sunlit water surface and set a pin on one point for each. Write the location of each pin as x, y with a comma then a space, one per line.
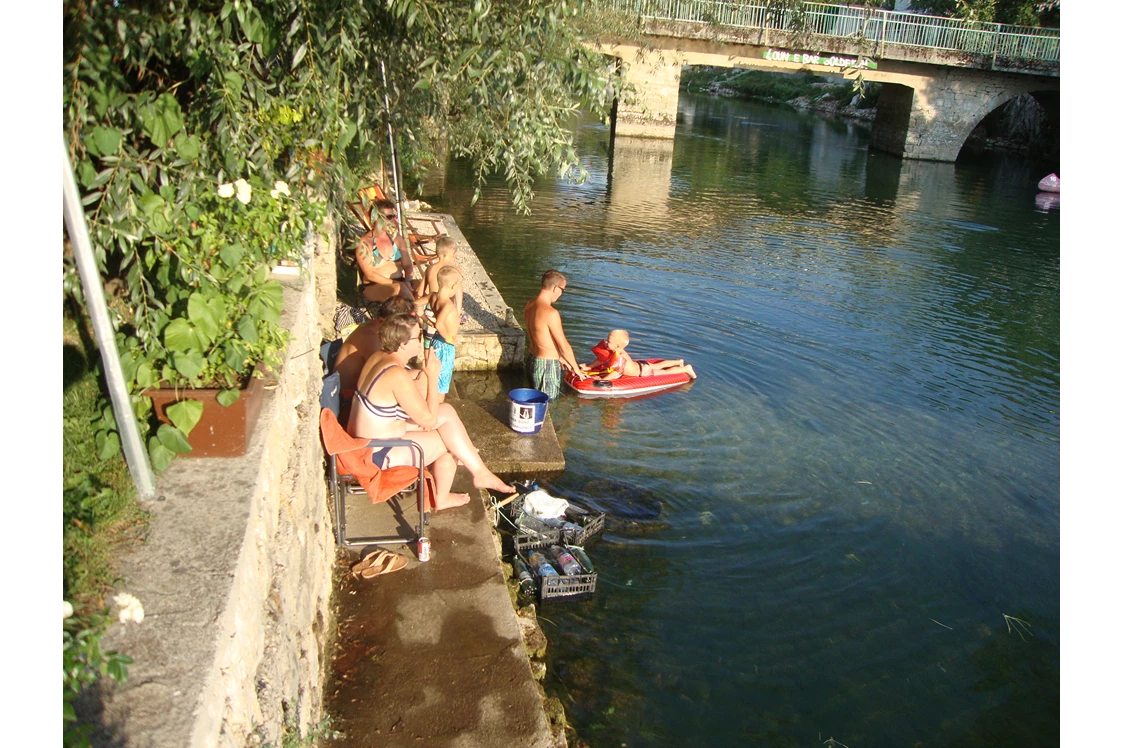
863, 483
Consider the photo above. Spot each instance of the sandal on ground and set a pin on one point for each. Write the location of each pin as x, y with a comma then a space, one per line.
378, 562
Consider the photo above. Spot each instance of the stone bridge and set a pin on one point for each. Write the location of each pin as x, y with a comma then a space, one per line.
932, 95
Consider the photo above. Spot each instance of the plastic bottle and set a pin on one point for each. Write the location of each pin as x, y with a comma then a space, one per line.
539, 563
565, 559
526, 579
581, 556
531, 524
570, 529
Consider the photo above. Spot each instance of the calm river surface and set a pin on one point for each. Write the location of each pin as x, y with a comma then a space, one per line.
864, 481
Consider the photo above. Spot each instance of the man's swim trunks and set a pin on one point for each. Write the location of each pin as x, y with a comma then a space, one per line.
545, 375
446, 352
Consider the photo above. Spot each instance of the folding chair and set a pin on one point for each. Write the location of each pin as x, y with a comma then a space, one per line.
351, 472
329, 349
364, 212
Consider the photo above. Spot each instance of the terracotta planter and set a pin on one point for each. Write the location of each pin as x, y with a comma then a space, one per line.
223, 431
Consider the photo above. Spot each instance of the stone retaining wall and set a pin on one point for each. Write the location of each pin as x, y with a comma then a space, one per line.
235, 575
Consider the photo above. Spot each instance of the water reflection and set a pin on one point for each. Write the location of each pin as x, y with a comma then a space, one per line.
864, 478
639, 180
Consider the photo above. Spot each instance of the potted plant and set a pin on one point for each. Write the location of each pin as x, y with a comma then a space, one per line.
201, 313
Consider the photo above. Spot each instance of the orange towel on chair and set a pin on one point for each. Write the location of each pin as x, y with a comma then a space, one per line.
352, 457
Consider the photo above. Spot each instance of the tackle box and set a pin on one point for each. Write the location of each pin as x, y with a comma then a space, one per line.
562, 587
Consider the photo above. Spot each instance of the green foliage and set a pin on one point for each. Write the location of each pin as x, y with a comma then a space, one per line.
166, 104
99, 500
317, 734
84, 663
779, 87
1018, 12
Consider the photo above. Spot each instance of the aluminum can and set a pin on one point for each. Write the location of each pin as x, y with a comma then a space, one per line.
423, 550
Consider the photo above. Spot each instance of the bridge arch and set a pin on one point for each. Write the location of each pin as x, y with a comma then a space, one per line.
930, 117
931, 101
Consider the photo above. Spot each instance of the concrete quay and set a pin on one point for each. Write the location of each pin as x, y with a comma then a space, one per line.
434, 654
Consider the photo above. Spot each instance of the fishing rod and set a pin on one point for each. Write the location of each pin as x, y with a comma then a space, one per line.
402, 224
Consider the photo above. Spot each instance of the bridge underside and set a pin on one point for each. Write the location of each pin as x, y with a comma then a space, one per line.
926, 109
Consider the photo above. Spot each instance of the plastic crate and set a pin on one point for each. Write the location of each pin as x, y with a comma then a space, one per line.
590, 522
561, 587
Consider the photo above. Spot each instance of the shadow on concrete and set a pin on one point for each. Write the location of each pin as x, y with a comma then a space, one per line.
89, 707
485, 317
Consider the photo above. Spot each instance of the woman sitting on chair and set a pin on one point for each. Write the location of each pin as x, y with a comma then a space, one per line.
389, 405
382, 269
385, 270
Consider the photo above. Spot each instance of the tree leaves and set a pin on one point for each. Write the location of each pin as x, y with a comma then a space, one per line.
345, 135
105, 140
299, 55
164, 101
161, 119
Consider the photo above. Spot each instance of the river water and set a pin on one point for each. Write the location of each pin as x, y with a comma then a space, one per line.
859, 528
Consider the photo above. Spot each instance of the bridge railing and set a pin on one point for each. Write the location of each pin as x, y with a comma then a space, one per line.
878, 26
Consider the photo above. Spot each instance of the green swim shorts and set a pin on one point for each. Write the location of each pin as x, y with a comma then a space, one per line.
545, 375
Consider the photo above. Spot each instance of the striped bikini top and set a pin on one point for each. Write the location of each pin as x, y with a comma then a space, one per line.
381, 411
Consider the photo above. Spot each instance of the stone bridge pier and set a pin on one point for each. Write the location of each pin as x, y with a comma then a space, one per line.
930, 118
653, 111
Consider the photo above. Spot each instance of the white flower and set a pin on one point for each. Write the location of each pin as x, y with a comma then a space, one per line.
243, 191
67, 610
279, 188
131, 609
226, 190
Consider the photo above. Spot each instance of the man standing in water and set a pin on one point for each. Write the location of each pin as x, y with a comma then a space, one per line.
548, 350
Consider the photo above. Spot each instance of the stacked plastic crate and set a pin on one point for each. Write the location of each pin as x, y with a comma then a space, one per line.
549, 556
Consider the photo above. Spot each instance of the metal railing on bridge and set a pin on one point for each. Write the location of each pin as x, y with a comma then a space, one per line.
857, 23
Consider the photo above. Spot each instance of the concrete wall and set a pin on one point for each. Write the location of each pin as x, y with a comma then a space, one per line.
652, 113
946, 105
891, 126
235, 575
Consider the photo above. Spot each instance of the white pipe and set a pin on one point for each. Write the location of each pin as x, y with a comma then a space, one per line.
75, 218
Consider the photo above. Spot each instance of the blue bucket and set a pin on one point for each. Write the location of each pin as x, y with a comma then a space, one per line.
528, 410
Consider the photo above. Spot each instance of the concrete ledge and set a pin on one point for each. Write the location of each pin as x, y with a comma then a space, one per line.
492, 338
503, 450
433, 655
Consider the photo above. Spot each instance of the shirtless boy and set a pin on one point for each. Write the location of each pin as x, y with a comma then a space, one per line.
547, 349
443, 343
620, 364
446, 257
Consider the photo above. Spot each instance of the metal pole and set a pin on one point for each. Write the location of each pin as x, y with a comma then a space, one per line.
403, 225
135, 455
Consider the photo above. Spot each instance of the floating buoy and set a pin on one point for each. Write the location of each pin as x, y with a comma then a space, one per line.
1051, 183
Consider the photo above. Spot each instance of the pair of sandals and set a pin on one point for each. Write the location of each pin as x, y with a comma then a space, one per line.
377, 563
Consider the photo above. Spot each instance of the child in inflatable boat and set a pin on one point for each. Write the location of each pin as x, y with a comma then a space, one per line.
614, 362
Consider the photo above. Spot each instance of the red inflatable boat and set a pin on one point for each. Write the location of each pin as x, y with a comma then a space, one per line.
625, 386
